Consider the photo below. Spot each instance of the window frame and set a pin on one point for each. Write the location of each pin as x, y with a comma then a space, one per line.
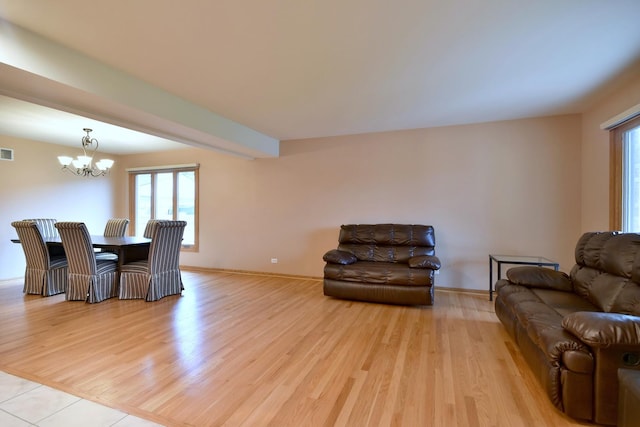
616, 156
174, 169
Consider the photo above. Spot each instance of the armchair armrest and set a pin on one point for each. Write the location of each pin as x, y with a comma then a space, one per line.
336, 256
597, 329
539, 277
425, 261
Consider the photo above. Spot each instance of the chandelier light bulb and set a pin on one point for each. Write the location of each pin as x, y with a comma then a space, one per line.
65, 160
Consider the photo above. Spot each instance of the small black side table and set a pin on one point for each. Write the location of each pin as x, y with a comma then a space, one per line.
516, 260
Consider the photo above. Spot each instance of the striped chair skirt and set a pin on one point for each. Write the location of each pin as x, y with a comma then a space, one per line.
94, 287
137, 282
47, 282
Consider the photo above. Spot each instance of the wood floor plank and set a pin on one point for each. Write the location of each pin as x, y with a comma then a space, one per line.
251, 350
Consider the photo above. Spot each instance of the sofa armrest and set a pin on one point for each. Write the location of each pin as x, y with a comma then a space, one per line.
602, 330
425, 261
336, 256
540, 277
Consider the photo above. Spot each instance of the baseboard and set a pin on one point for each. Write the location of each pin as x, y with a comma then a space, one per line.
463, 291
298, 276
248, 272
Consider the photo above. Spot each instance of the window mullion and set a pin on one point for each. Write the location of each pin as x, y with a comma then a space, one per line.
153, 195
175, 195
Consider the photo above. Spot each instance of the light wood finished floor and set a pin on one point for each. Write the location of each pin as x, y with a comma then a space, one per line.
250, 350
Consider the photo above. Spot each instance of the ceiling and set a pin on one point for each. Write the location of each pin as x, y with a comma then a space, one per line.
292, 69
26, 120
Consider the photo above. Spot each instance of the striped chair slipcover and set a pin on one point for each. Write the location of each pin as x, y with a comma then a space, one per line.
45, 275
49, 231
115, 227
90, 280
47, 227
149, 228
159, 275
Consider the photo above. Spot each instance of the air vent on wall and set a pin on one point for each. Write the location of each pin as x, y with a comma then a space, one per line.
6, 154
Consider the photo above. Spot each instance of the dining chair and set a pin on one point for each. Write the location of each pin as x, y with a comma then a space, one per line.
48, 230
115, 227
159, 275
149, 228
47, 227
45, 274
90, 279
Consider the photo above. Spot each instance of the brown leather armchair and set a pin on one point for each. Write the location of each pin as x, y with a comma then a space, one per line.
575, 331
387, 263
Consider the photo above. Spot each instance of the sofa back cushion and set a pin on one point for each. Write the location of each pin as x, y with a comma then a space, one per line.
607, 271
387, 242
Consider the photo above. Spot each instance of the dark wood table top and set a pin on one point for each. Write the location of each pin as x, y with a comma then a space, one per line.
100, 241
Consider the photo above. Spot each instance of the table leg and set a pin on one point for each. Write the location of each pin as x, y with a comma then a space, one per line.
499, 270
490, 279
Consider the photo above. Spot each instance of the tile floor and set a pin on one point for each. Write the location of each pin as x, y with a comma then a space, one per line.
26, 403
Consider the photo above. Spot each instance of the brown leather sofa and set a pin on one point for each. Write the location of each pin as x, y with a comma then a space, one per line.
575, 331
387, 263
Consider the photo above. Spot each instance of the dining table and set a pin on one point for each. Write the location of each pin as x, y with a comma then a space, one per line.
128, 248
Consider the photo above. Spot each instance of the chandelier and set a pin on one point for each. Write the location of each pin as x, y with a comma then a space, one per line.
83, 165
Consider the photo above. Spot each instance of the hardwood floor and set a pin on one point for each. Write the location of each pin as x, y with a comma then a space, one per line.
250, 350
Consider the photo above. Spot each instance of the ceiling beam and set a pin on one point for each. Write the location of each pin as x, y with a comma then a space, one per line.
36, 70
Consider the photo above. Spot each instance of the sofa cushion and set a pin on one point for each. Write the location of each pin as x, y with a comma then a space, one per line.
609, 252
535, 277
604, 329
628, 299
387, 242
379, 273
540, 313
607, 269
387, 234
604, 289
563, 302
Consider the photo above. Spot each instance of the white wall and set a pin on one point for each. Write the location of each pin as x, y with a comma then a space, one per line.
34, 186
508, 187
524, 187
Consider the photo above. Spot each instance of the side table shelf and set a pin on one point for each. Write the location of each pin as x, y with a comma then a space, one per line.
515, 260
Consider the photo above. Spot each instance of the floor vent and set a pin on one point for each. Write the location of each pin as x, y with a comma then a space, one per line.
6, 154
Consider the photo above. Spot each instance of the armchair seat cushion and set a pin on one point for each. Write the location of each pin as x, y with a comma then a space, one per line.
378, 273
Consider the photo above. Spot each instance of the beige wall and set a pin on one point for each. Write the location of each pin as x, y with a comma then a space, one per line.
595, 154
524, 187
33, 185
504, 187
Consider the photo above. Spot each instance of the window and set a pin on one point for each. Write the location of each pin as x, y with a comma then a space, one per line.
625, 178
165, 193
